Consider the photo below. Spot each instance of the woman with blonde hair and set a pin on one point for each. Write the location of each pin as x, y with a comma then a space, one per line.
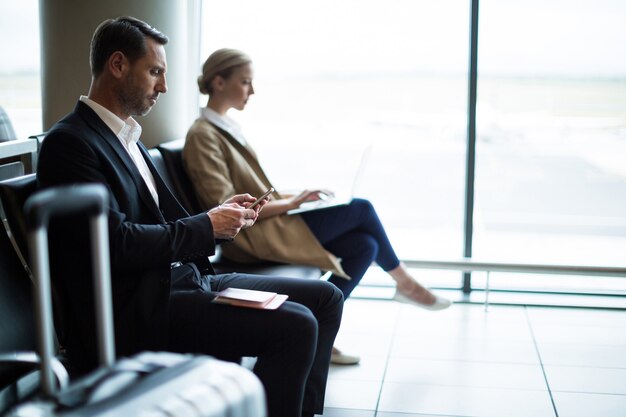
343, 239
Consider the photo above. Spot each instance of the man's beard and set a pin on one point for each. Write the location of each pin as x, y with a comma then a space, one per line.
132, 99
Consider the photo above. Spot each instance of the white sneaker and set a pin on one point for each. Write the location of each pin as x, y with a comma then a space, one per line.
440, 303
340, 358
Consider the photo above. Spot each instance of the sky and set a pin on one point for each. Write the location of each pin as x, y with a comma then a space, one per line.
353, 37
19, 36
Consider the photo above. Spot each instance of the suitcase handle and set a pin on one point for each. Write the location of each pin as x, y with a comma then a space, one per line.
90, 199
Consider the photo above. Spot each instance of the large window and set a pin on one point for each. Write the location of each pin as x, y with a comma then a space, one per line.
333, 78
551, 138
20, 91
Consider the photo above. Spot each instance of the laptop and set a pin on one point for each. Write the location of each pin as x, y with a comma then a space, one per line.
337, 199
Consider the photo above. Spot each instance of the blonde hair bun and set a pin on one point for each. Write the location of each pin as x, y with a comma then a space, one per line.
218, 63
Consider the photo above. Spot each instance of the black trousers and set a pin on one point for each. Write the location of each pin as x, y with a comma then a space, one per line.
293, 343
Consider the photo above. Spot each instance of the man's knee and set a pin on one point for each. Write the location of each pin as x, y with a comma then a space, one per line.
331, 299
330, 293
303, 324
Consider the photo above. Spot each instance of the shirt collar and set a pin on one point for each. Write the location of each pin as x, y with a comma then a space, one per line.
214, 117
223, 122
128, 130
131, 132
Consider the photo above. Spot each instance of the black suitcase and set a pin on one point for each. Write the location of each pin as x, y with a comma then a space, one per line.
149, 384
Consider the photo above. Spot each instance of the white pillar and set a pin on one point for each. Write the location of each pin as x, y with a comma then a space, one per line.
66, 30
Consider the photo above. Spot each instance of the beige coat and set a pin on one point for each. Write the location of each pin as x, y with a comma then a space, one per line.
220, 167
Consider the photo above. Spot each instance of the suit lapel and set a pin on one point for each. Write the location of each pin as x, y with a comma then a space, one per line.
114, 144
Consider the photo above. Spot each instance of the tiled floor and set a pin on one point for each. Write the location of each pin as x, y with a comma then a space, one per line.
506, 362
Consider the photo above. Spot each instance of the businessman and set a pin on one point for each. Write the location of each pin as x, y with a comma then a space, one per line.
162, 281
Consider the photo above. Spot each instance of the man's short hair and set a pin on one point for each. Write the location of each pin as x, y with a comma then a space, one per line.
125, 34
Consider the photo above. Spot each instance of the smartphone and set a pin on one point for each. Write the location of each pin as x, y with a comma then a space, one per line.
258, 200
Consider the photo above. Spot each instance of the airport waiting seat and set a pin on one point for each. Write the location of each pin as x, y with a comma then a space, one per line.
168, 160
18, 343
15, 158
19, 362
6, 128
13, 193
173, 158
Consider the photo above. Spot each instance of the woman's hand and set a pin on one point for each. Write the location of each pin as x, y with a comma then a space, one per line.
309, 195
282, 206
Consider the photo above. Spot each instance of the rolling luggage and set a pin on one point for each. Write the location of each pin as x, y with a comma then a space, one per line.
149, 384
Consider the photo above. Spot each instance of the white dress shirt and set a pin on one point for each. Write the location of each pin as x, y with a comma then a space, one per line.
224, 122
128, 132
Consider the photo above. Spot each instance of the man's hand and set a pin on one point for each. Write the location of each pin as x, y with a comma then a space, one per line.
246, 200
233, 215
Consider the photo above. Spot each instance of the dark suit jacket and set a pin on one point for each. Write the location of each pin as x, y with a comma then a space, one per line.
144, 239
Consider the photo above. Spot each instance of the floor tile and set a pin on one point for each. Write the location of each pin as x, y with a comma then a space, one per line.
589, 380
469, 374
467, 324
464, 401
461, 315
579, 334
362, 316
467, 312
582, 355
370, 368
360, 395
482, 350
577, 316
467, 331
589, 405
465, 362
343, 412
363, 344
385, 414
